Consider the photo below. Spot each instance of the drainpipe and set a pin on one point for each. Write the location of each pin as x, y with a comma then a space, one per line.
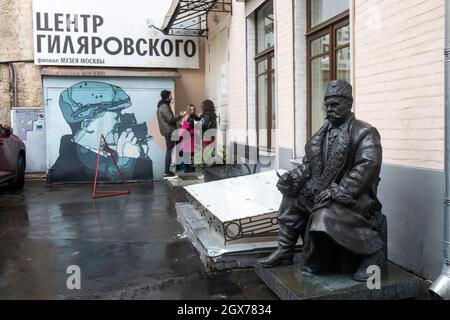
14, 82
12, 85
440, 289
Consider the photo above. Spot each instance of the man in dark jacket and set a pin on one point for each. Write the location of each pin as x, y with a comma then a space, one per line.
331, 200
167, 125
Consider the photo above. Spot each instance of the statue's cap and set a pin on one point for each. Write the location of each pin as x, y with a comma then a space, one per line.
339, 88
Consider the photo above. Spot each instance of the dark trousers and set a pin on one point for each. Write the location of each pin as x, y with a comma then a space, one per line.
169, 148
187, 167
293, 220
320, 252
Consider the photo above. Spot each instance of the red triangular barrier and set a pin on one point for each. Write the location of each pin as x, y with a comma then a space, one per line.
102, 194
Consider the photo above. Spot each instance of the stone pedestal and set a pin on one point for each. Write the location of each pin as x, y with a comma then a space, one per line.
290, 283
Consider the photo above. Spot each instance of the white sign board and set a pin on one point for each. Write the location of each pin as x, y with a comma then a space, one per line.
106, 33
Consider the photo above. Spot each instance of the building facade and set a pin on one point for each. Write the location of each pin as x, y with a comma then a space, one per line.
281, 55
119, 90
266, 66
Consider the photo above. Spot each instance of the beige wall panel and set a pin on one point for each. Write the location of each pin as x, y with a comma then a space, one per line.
399, 77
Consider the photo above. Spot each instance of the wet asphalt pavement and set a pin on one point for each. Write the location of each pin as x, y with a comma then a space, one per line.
127, 247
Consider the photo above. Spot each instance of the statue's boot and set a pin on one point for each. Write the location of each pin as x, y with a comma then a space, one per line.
377, 259
280, 257
284, 254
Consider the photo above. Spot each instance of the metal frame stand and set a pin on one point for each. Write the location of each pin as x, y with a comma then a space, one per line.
103, 194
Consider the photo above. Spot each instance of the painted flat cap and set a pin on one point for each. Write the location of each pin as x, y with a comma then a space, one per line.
89, 99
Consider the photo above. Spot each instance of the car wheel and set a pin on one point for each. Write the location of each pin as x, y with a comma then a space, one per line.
19, 181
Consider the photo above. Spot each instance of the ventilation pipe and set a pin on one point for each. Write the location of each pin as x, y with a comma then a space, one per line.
440, 289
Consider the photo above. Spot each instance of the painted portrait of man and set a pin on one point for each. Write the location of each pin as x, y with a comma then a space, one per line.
91, 109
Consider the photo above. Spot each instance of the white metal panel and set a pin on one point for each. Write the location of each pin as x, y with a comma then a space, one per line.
239, 198
212, 245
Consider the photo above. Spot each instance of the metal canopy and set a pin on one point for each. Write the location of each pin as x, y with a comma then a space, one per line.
190, 17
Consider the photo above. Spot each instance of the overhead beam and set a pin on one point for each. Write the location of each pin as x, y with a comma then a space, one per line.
181, 11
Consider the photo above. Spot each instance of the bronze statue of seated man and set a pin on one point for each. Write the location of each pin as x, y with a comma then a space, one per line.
331, 199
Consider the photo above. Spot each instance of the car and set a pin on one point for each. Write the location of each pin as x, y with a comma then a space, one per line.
12, 158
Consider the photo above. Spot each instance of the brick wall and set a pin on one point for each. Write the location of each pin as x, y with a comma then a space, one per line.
238, 70
284, 55
16, 38
16, 30
399, 77
251, 83
242, 70
191, 88
300, 77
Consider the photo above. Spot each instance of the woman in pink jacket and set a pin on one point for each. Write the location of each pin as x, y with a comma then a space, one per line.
186, 135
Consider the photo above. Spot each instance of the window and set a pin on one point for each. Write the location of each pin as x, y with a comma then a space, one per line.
264, 27
323, 10
265, 77
328, 40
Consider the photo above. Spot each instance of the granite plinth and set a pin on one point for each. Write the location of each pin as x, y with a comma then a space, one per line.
290, 283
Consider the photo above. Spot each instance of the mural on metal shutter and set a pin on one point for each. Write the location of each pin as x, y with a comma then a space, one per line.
92, 108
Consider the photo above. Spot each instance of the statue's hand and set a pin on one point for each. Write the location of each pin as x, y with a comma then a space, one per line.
335, 193
323, 196
340, 196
